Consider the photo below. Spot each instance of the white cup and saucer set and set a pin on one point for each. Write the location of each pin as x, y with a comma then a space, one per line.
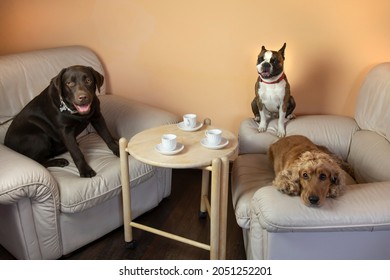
190, 123
214, 139
169, 145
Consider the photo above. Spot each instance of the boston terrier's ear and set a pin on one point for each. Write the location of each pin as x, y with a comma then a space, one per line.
263, 50
281, 51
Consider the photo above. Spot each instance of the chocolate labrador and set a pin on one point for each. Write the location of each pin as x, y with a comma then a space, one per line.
48, 125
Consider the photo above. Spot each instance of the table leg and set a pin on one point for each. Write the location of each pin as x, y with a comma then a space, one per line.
224, 189
126, 197
215, 208
204, 193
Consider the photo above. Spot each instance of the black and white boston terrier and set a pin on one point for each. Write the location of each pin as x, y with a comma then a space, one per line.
272, 90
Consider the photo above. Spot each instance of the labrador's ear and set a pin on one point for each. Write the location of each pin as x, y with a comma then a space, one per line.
99, 79
57, 81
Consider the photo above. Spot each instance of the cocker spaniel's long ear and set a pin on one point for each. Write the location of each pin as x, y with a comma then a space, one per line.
287, 181
337, 179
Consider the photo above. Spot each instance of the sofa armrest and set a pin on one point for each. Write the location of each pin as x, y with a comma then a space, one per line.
29, 202
126, 117
362, 207
334, 132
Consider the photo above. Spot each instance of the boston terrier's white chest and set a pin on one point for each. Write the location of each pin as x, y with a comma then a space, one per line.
272, 95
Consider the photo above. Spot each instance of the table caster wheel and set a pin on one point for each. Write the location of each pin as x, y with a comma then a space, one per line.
131, 244
202, 215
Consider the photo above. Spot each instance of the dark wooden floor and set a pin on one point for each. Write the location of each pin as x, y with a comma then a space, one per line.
177, 214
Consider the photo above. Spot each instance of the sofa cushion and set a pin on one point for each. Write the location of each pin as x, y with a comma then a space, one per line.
79, 194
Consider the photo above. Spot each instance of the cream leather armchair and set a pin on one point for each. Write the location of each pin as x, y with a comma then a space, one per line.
47, 213
356, 225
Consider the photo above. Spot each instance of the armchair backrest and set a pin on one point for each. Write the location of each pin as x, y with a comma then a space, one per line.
373, 106
370, 147
25, 75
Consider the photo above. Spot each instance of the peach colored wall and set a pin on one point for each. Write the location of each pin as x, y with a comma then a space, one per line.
199, 56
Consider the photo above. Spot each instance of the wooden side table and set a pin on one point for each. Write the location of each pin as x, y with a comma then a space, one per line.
194, 155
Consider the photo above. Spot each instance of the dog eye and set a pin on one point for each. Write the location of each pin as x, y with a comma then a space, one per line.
70, 84
322, 177
88, 81
305, 176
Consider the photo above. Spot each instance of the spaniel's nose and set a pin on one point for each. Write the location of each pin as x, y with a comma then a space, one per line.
314, 199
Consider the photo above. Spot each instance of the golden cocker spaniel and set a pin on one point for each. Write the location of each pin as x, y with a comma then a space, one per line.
305, 169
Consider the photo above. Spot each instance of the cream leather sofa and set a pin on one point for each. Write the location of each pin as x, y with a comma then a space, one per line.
354, 226
47, 213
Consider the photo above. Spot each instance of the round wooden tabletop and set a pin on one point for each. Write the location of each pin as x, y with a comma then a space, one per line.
143, 146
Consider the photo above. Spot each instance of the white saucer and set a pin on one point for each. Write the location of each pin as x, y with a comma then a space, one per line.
178, 149
183, 127
224, 143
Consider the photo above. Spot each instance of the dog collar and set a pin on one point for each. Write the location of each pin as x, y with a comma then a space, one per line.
274, 82
64, 107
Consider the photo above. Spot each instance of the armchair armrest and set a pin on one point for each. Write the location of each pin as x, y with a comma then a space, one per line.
334, 132
126, 117
29, 207
21, 177
360, 208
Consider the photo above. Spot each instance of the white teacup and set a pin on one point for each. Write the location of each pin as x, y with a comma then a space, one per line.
168, 142
189, 120
213, 136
